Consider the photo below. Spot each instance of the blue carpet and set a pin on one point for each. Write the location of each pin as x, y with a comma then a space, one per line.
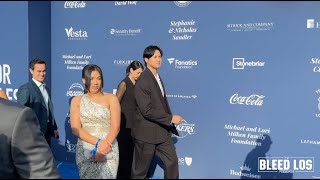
68, 170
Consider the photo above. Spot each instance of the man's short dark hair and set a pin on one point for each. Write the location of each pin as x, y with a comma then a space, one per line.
36, 61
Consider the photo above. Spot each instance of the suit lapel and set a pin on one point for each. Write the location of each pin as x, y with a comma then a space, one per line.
38, 92
165, 97
162, 98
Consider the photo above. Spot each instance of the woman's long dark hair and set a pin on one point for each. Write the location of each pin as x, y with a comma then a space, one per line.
86, 74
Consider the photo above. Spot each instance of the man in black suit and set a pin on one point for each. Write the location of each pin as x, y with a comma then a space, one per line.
35, 94
25, 153
154, 123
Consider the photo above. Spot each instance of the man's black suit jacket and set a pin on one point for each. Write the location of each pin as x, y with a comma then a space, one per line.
153, 114
30, 95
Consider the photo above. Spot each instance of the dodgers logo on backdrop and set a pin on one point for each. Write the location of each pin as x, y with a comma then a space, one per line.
286, 164
182, 3
185, 129
71, 147
75, 89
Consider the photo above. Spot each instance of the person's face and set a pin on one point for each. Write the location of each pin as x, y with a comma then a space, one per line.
135, 73
155, 61
95, 83
39, 72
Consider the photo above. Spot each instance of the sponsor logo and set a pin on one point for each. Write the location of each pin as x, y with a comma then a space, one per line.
252, 100
182, 3
74, 4
309, 141
125, 3
122, 62
255, 26
316, 62
170, 60
182, 64
245, 171
181, 96
76, 34
182, 30
75, 89
185, 161
310, 23
188, 160
313, 24
125, 32
286, 164
240, 63
185, 129
245, 168
76, 62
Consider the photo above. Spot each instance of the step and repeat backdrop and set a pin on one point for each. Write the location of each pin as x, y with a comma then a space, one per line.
14, 38
245, 76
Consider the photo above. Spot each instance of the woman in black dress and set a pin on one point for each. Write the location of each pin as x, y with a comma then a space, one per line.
125, 94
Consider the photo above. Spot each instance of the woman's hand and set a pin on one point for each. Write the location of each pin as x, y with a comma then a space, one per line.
99, 157
104, 147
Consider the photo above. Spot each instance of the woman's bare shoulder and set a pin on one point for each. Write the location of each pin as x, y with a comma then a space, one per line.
110, 96
76, 99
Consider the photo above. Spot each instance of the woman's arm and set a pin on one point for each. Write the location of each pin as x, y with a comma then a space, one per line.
76, 124
115, 112
121, 90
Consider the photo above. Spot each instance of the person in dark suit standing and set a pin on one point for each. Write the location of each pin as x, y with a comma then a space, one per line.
154, 123
36, 95
125, 94
25, 153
